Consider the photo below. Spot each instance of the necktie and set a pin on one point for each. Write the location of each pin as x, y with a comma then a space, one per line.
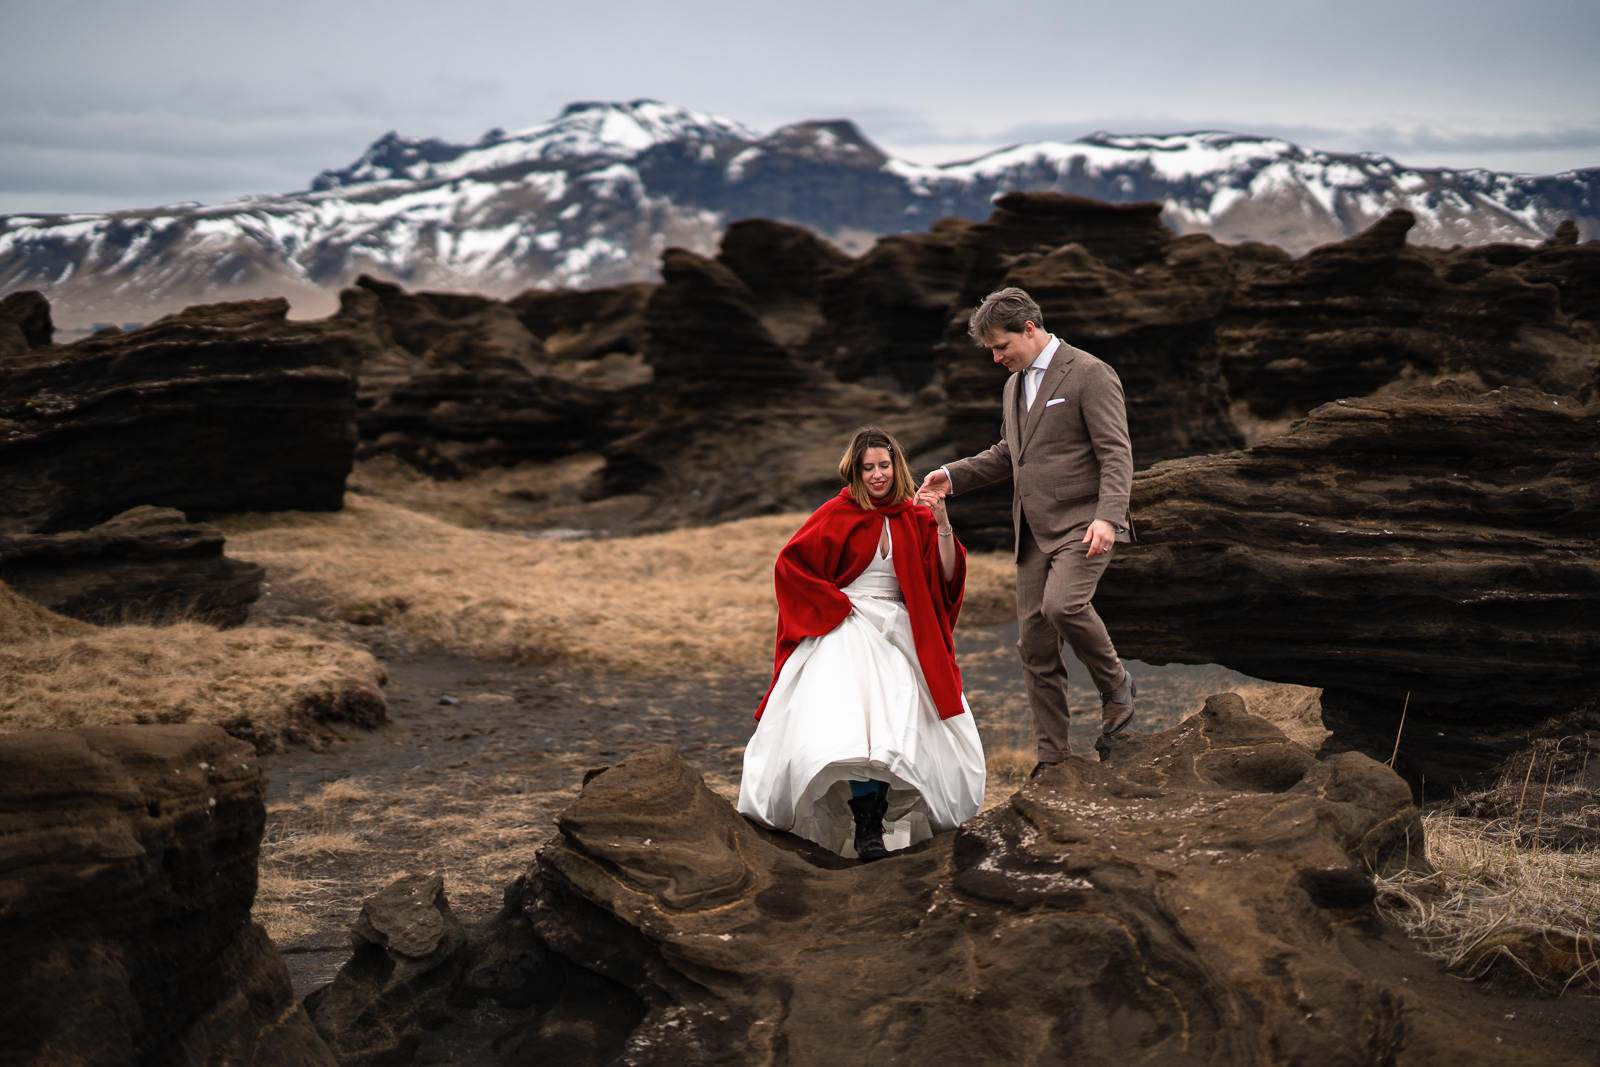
1031, 383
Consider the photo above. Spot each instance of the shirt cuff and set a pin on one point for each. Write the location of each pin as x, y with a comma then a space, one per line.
951, 482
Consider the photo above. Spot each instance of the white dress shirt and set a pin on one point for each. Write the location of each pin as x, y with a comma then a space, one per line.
1033, 373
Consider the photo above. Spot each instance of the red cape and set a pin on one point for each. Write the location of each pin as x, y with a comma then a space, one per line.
833, 547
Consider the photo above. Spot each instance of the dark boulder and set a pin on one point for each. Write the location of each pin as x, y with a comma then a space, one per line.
1439, 542
127, 876
147, 563
408, 957
24, 322
227, 407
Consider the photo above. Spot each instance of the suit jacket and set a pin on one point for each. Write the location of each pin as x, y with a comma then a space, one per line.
1069, 456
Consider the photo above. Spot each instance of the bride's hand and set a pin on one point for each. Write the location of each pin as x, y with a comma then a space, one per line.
934, 502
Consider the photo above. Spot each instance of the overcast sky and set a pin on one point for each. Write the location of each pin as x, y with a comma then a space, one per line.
128, 103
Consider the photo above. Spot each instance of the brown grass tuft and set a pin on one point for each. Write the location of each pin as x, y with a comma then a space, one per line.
22, 619
267, 686
1515, 887
642, 604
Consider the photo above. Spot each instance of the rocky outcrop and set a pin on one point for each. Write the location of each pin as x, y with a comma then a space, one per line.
24, 322
458, 383
582, 325
127, 876
1433, 552
887, 309
1215, 344
230, 407
1353, 316
408, 957
1203, 895
706, 342
147, 563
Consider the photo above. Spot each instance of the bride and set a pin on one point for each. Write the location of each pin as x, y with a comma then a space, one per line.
864, 734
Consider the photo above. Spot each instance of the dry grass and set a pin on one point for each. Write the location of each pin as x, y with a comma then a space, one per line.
265, 685
325, 853
654, 603
529, 494
1515, 894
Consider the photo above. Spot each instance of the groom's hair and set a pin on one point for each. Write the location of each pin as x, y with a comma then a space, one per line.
1003, 311
850, 467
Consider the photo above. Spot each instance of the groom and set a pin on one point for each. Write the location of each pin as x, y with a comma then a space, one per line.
1064, 445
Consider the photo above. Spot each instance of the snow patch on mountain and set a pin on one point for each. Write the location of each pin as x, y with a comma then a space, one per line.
595, 195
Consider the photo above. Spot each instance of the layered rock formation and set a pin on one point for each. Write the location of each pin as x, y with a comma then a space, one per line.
456, 383
1351, 317
1439, 546
223, 408
408, 958
127, 875
1203, 895
147, 563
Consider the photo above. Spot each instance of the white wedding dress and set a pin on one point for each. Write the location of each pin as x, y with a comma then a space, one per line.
853, 705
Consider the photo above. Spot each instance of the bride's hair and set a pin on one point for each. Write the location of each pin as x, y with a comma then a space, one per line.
850, 467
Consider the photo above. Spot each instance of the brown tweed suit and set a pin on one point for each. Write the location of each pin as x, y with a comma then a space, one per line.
1071, 462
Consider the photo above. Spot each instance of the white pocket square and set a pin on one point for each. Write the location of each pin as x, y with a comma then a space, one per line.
1057, 400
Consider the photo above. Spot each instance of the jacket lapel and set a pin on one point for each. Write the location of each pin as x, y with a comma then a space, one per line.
1054, 376
1011, 416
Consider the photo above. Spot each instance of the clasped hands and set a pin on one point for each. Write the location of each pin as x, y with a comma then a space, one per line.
935, 487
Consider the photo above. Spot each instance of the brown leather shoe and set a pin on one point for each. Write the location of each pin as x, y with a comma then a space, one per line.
1040, 767
1116, 708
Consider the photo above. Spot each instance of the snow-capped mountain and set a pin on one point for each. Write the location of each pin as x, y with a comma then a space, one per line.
594, 196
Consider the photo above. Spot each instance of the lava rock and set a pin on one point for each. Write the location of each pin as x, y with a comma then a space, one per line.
408, 956
706, 342
1202, 894
1356, 315
1439, 542
147, 563
127, 875
228, 407
24, 322
464, 385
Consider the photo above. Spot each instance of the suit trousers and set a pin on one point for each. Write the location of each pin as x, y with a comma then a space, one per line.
1054, 609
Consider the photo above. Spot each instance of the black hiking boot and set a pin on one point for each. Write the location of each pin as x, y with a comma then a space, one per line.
868, 811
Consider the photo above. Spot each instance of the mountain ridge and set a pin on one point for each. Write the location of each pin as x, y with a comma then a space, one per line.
594, 197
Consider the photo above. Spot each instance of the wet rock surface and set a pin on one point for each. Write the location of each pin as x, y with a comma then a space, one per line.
1432, 551
127, 873
147, 563
1202, 895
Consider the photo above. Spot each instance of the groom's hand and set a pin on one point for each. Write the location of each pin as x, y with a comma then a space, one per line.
1100, 536
936, 483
